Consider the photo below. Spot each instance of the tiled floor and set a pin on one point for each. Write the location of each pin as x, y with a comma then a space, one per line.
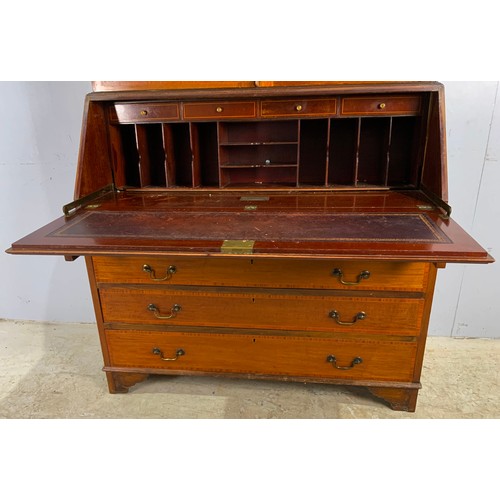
54, 371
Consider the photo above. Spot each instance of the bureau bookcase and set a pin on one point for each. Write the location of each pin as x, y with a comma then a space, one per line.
265, 230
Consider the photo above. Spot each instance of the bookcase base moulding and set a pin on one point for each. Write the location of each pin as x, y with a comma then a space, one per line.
285, 231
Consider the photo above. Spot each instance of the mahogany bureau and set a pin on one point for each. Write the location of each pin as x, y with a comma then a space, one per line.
265, 230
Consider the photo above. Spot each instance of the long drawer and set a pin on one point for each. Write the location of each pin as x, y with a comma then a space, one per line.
285, 311
273, 355
275, 273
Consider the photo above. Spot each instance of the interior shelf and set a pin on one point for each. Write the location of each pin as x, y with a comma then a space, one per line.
283, 131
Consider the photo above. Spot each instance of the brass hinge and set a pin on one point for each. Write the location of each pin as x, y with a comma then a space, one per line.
85, 200
254, 198
440, 204
237, 247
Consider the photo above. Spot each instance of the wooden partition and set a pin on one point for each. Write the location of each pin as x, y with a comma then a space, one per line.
326, 152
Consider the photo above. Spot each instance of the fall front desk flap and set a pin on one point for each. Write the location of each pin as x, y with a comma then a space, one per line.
386, 225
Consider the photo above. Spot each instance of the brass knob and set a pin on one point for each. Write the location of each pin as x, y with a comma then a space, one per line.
298, 107
381, 105
144, 112
218, 109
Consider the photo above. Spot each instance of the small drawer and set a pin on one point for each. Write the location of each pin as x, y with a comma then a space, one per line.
264, 355
144, 112
274, 310
298, 107
219, 110
381, 105
269, 273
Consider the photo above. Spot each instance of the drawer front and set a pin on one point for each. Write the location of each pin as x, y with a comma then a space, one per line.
298, 107
216, 110
380, 105
343, 315
271, 355
275, 273
144, 112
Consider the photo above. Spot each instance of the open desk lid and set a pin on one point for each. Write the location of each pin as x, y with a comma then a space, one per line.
385, 225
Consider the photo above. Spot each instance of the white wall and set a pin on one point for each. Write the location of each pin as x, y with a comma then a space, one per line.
40, 125
39, 133
467, 296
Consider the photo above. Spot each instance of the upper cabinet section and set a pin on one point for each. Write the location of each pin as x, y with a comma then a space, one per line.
102, 86
245, 135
